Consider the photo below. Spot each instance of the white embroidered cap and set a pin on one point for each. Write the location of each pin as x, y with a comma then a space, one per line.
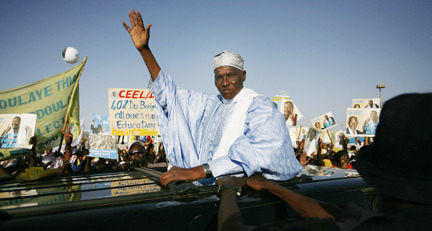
228, 59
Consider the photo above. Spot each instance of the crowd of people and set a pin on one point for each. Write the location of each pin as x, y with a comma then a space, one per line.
139, 153
342, 154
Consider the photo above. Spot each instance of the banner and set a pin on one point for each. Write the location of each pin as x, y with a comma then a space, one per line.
16, 130
366, 103
325, 121
132, 112
53, 100
362, 122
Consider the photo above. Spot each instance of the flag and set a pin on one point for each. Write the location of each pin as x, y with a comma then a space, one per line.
54, 100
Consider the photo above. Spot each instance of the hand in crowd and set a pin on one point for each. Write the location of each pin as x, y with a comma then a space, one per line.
304, 159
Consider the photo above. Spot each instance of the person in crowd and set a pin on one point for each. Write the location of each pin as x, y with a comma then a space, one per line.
352, 126
403, 193
136, 154
290, 116
342, 141
357, 105
205, 135
52, 159
161, 155
358, 144
150, 154
342, 160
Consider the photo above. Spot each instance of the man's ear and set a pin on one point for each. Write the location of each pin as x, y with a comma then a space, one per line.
244, 76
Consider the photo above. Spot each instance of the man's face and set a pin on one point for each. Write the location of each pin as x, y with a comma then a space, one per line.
353, 123
374, 116
312, 134
289, 108
370, 103
16, 123
136, 152
229, 81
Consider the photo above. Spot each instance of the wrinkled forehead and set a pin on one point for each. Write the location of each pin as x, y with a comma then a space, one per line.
226, 69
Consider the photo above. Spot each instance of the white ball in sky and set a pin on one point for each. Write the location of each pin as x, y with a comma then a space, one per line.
70, 55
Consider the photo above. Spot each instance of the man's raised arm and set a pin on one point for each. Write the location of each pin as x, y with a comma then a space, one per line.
140, 37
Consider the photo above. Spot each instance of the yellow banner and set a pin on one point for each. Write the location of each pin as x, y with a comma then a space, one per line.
54, 100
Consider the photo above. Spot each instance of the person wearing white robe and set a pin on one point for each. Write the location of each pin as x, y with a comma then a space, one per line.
206, 135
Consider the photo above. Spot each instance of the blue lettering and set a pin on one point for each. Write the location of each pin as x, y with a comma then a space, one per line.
14, 102
39, 94
19, 101
32, 97
3, 104
48, 91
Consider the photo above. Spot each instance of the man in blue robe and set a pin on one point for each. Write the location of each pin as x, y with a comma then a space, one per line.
207, 136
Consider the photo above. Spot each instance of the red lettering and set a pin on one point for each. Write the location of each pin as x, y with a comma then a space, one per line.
128, 93
135, 94
121, 93
141, 95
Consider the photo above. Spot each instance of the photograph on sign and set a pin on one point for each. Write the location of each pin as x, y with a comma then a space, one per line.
311, 141
361, 122
291, 112
103, 146
366, 103
324, 121
16, 130
100, 124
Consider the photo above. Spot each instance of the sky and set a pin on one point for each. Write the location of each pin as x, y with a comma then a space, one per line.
321, 53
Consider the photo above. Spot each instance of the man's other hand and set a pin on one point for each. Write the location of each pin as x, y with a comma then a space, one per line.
187, 174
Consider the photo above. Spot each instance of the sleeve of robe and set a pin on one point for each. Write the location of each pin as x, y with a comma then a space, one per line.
180, 114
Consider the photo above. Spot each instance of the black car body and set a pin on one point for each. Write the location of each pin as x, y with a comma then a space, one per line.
135, 200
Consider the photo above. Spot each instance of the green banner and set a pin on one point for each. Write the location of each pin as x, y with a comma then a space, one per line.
54, 100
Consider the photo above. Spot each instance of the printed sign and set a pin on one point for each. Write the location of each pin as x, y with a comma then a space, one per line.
362, 122
325, 121
287, 107
103, 146
366, 103
311, 141
100, 124
16, 130
132, 112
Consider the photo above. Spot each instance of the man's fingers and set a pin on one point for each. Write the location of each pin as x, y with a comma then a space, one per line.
131, 18
134, 19
126, 27
140, 21
148, 28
